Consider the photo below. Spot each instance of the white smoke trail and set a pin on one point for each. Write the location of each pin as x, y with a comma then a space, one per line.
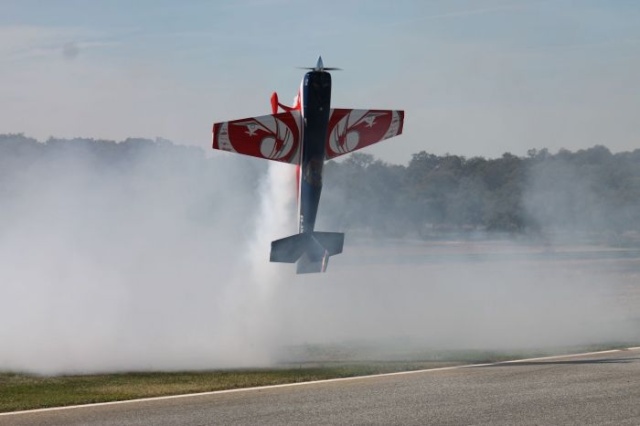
252, 298
275, 220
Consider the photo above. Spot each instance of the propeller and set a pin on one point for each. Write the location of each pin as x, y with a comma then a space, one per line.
320, 67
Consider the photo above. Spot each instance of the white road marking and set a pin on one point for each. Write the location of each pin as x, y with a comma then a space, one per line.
342, 379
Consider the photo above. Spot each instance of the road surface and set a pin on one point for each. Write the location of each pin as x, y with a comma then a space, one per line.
597, 388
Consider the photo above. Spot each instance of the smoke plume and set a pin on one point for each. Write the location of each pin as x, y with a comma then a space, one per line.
158, 260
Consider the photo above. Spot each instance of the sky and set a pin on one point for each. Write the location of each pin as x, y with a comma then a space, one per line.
475, 78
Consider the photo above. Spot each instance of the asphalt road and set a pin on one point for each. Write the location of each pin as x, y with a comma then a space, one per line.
599, 388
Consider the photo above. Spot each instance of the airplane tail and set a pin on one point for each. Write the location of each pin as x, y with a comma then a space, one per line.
310, 249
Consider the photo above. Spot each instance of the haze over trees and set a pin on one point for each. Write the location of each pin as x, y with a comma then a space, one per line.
589, 191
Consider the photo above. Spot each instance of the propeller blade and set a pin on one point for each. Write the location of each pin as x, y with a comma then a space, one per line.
323, 69
320, 67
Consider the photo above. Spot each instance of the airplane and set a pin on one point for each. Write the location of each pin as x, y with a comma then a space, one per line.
307, 134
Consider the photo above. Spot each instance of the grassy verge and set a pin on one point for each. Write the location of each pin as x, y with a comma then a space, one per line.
26, 391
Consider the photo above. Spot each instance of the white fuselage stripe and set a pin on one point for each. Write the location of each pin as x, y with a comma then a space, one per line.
300, 174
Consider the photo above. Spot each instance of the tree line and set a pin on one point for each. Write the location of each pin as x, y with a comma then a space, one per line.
590, 190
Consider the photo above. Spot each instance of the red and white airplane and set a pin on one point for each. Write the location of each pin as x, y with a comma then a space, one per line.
306, 135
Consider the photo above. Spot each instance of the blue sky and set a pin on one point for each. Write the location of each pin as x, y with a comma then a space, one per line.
475, 77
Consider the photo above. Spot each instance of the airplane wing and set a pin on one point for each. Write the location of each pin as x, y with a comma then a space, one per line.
352, 129
273, 137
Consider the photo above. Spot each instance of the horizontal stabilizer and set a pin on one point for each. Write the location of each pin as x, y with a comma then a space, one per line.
311, 249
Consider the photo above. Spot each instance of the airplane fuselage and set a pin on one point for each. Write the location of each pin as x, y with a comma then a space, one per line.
315, 102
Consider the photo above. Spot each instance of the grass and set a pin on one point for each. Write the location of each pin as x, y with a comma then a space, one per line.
21, 391
25, 391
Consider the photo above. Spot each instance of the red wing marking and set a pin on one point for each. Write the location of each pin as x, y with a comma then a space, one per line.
273, 137
352, 129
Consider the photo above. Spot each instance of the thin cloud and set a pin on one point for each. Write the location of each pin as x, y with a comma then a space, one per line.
474, 11
572, 46
19, 42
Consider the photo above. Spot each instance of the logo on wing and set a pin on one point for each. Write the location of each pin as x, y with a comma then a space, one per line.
345, 136
275, 137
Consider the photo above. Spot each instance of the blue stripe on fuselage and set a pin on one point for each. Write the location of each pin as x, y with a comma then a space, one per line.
316, 106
